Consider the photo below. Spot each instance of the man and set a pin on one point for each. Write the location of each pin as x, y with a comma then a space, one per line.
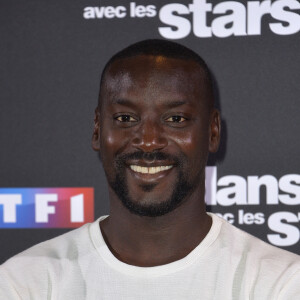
154, 126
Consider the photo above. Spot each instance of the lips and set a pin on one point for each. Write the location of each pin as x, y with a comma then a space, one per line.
149, 170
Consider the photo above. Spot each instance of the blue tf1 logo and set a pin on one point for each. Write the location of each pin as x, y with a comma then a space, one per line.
46, 207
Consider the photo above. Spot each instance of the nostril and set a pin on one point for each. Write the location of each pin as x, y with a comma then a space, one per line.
136, 141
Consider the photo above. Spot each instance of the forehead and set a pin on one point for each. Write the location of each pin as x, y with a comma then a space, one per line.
153, 76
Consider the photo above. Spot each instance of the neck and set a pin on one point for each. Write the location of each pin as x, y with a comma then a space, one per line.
153, 241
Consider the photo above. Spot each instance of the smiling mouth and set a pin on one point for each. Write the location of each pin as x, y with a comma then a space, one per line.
150, 170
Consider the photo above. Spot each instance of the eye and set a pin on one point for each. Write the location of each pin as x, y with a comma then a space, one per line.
176, 119
125, 118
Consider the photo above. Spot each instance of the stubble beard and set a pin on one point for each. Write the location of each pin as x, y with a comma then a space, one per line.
181, 189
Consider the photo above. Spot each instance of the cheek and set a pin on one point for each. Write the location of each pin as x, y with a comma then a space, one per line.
110, 145
192, 142
113, 141
194, 146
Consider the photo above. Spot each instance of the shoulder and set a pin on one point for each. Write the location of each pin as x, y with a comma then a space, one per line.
266, 266
54, 249
46, 263
240, 242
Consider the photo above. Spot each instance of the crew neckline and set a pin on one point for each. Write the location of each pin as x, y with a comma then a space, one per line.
112, 261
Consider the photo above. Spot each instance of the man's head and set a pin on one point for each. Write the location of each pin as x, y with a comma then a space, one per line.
154, 125
162, 48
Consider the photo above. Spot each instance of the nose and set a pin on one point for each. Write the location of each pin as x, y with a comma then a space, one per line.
149, 137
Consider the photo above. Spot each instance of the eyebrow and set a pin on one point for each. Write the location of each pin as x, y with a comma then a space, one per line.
177, 103
170, 104
125, 102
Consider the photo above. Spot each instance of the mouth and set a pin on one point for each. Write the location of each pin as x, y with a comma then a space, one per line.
149, 170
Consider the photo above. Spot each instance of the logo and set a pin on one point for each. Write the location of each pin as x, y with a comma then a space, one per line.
254, 201
46, 207
205, 19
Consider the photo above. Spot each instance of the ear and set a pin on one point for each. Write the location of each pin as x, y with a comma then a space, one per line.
96, 131
215, 131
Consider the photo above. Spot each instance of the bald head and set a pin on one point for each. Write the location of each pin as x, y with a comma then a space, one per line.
159, 51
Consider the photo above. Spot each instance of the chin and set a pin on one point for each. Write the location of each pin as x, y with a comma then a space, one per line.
151, 199
150, 203
150, 209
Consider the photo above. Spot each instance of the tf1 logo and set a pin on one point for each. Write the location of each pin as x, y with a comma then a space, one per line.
46, 207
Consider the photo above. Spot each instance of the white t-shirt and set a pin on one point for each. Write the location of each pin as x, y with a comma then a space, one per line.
227, 264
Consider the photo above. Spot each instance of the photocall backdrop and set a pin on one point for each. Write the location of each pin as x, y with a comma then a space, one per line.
52, 54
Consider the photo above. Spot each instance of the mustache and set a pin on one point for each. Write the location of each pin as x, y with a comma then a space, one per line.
147, 156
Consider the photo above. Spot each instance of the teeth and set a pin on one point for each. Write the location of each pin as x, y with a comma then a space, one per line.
151, 170
144, 170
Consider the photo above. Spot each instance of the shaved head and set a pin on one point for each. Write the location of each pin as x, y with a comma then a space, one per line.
160, 49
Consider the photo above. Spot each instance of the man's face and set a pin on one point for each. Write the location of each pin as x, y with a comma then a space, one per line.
155, 132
